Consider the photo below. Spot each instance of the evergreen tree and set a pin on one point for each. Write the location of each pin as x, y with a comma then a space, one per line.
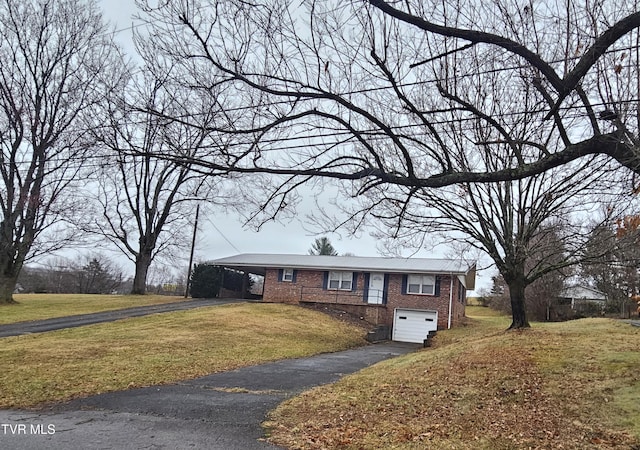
205, 281
322, 246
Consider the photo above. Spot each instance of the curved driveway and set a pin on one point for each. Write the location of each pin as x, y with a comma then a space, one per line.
220, 411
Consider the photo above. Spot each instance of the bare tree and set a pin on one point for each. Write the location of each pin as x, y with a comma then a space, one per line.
529, 228
367, 92
97, 275
146, 193
542, 294
613, 260
58, 60
58, 275
436, 94
87, 274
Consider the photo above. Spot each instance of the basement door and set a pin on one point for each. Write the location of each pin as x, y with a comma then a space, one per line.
413, 325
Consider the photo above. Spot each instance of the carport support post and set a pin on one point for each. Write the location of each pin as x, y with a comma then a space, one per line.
245, 284
221, 287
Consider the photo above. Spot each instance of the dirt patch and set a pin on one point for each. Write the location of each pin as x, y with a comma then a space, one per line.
341, 315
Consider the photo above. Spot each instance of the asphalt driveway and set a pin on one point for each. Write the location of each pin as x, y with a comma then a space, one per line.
80, 320
221, 411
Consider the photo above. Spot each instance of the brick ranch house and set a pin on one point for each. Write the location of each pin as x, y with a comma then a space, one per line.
410, 296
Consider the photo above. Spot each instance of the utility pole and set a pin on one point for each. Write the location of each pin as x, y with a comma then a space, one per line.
193, 245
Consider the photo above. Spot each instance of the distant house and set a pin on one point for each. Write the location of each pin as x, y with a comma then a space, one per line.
411, 296
580, 296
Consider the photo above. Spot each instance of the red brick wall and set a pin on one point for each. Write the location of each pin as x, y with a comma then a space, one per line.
288, 291
397, 299
308, 288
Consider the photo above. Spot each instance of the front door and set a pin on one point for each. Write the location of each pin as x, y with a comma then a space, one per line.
376, 288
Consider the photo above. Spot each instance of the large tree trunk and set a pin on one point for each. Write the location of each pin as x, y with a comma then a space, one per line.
9, 270
143, 261
7, 287
518, 310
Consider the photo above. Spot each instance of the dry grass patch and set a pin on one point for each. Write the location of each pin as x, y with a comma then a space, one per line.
163, 348
48, 306
569, 385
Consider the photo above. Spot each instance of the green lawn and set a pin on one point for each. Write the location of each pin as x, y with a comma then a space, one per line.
571, 385
47, 306
162, 348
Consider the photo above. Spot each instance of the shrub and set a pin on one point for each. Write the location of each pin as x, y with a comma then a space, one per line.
589, 309
205, 281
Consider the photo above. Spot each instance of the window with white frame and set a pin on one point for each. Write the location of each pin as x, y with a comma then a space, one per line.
340, 280
421, 284
287, 274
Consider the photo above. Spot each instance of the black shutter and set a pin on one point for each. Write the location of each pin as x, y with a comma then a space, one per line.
365, 291
325, 280
295, 276
280, 272
385, 289
354, 281
404, 283
437, 286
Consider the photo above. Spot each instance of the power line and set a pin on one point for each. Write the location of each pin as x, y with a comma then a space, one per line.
223, 235
371, 135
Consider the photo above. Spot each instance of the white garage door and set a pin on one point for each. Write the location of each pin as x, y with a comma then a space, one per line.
413, 325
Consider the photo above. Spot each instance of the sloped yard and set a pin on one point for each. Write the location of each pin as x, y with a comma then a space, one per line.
48, 306
570, 385
162, 348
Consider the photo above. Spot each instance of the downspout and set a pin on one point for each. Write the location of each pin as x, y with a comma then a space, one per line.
450, 301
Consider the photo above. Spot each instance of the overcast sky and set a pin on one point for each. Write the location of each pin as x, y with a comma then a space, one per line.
221, 235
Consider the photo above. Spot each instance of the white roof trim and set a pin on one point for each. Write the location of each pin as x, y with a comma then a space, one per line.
352, 263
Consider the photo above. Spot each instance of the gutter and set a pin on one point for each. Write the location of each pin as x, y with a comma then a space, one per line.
450, 302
